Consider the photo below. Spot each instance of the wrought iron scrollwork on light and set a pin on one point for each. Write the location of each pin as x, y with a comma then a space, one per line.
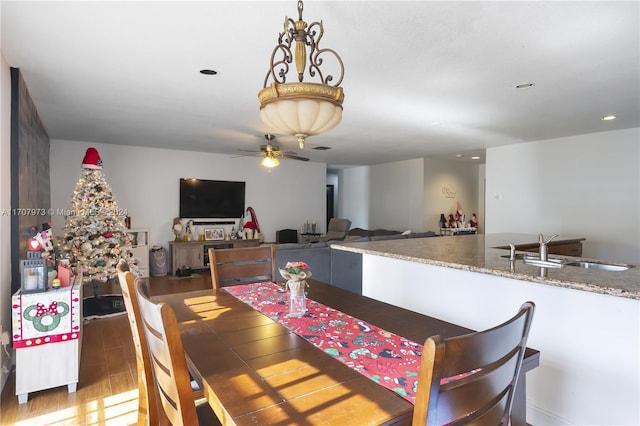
301, 109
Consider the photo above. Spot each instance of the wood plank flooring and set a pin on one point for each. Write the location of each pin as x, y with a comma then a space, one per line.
107, 389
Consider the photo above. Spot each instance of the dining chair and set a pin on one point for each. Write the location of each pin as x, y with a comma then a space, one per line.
169, 364
242, 265
471, 379
147, 398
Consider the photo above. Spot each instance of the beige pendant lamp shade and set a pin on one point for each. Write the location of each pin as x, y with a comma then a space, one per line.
301, 109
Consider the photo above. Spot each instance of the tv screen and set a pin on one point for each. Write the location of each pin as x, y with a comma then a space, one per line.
211, 198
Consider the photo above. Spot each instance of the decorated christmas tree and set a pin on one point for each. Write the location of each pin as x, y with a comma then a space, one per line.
95, 235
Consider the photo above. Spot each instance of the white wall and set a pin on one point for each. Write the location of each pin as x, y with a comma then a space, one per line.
445, 184
589, 343
408, 194
353, 197
396, 194
145, 181
586, 185
5, 203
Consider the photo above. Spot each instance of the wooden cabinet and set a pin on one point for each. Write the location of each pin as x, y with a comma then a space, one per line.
194, 254
186, 254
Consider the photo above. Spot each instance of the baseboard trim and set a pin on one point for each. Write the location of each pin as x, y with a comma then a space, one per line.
539, 416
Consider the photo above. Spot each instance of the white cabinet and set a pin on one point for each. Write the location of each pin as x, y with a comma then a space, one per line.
140, 249
47, 340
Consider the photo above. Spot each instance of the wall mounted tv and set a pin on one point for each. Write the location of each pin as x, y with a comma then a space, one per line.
201, 198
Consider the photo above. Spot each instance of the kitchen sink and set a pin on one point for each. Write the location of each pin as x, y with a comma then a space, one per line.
535, 260
553, 262
596, 265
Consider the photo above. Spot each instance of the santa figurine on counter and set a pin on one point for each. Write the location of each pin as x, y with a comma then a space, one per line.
474, 221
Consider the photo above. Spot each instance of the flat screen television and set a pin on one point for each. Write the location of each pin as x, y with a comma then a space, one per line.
201, 198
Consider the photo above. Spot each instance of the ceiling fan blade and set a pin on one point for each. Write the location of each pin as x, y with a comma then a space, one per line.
293, 156
250, 154
247, 150
269, 148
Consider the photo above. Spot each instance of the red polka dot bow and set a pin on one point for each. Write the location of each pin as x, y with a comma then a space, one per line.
41, 310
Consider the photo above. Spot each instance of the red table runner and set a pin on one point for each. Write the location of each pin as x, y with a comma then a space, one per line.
386, 358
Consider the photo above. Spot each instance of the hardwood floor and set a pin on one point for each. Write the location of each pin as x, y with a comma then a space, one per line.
107, 389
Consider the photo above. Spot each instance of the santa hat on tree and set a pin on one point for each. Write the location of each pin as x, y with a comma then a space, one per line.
92, 160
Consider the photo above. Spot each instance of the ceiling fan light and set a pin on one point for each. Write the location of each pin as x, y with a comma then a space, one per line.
269, 161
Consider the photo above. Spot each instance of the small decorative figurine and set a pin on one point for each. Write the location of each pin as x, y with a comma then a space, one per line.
177, 228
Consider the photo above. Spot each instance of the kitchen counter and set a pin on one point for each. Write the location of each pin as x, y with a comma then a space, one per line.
466, 280
482, 254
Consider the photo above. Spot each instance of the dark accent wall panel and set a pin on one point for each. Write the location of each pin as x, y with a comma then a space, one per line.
30, 186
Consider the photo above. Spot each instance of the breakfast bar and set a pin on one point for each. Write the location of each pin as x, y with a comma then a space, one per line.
586, 325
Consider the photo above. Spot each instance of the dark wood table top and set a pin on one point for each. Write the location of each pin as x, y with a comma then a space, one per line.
254, 371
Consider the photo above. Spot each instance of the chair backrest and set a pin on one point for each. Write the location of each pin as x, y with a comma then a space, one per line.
242, 265
147, 398
167, 359
471, 379
337, 229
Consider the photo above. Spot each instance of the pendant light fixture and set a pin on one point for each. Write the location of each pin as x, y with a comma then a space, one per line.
301, 109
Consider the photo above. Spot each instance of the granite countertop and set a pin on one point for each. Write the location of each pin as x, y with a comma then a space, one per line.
479, 253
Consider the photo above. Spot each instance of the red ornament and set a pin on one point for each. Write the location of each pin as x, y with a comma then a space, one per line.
108, 234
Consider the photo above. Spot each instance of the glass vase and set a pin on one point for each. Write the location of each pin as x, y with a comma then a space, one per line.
297, 305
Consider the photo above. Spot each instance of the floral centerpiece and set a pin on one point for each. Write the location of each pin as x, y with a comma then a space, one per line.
296, 274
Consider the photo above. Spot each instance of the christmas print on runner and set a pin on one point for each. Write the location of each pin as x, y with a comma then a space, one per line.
386, 358
95, 235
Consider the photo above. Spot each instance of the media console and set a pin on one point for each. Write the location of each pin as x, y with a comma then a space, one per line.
194, 254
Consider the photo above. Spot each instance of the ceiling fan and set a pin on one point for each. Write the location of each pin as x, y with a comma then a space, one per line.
271, 152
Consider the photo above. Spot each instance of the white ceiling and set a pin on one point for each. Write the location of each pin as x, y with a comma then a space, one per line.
128, 72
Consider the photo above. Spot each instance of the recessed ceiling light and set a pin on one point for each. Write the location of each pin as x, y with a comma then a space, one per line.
475, 157
459, 155
608, 118
209, 72
525, 85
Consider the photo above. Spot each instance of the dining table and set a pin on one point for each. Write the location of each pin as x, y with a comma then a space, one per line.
263, 368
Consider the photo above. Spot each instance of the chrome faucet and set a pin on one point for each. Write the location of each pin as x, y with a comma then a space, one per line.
544, 249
